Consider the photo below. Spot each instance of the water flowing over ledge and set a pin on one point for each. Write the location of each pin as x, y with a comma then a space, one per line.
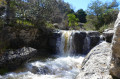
60, 68
69, 44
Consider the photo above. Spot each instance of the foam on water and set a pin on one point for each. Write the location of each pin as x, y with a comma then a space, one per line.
64, 67
65, 43
60, 68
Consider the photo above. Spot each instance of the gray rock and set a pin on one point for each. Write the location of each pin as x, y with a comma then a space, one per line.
108, 35
12, 59
53, 41
78, 39
96, 64
115, 71
93, 33
82, 38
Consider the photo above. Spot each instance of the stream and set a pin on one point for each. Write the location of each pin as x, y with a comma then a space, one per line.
65, 65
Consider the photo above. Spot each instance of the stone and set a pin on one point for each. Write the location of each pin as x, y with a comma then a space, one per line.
78, 40
115, 71
14, 59
56, 25
108, 35
16, 38
81, 39
53, 41
96, 64
94, 38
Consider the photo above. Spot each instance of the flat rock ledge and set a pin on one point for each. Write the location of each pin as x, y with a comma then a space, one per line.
96, 64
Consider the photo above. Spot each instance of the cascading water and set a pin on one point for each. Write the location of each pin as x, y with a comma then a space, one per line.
86, 46
65, 44
65, 66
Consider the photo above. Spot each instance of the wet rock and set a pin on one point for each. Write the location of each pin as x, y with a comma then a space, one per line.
94, 38
96, 64
78, 39
15, 38
108, 35
81, 39
93, 33
53, 41
56, 25
115, 71
12, 59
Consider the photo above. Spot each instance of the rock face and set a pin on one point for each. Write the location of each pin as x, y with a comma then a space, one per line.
78, 40
15, 38
115, 71
84, 41
12, 59
108, 35
53, 41
96, 64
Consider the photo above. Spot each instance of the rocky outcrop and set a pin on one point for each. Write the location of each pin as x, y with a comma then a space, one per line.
94, 38
115, 71
84, 41
15, 38
14, 59
53, 41
108, 35
78, 40
96, 64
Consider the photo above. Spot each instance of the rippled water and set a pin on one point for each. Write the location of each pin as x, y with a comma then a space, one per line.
65, 67
60, 68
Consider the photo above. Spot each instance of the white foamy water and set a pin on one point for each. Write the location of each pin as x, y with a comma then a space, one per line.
60, 68
65, 43
64, 67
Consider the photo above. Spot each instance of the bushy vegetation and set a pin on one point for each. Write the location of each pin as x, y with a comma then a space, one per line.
37, 13
33, 12
100, 15
73, 21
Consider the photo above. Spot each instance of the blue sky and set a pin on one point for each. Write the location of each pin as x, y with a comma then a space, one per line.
78, 4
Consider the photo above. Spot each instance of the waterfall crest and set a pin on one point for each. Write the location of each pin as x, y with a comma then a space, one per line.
65, 43
66, 66
72, 42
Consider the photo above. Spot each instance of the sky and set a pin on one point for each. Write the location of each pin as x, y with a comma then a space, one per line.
83, 4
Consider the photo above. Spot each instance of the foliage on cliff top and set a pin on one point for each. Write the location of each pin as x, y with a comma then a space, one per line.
101, 14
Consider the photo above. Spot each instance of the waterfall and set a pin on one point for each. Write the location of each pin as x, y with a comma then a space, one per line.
86, 46
65, 43
66, 66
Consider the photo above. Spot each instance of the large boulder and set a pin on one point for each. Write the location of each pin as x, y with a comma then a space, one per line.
96, 64
108, 35
115, 71
13, 59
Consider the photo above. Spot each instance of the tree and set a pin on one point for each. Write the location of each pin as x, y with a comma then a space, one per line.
71, 11
103, 13
95, 8
73, 21
81, 15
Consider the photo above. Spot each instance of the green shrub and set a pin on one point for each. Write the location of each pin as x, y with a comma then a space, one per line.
89, 26
49, 25
111, 25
